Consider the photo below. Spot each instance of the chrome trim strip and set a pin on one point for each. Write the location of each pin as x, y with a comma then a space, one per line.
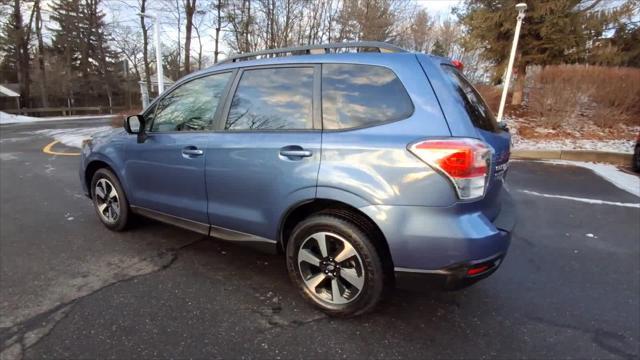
420, 271
172, 220
206, 229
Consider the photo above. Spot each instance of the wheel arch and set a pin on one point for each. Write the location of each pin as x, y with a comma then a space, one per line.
304, 209
95, 165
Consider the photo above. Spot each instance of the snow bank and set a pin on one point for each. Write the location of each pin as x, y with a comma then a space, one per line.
619, 146
19, 119
625, 181
13, 119
73, 137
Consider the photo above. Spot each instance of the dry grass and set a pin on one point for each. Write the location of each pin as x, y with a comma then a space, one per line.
118, 121
605, 96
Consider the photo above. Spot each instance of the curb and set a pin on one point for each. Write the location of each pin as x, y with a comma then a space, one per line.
574, 155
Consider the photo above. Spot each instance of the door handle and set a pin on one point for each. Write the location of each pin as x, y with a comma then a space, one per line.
192, 151
296, 153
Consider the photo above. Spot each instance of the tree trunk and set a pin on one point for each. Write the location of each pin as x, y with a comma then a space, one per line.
145, 48
189, 9
247, 47
518, 85
22, 53
44, 101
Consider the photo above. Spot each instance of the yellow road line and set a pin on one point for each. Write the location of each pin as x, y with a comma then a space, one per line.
47, 150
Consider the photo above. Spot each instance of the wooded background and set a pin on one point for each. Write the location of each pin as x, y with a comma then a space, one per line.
76, 53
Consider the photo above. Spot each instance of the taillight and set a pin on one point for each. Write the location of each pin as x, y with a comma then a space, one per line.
457, 64
464, 161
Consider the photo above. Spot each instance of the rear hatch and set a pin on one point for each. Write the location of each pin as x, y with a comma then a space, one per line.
468, 115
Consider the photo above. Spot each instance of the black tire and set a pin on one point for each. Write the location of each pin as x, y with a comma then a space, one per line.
636, 159
122, 220
374, 283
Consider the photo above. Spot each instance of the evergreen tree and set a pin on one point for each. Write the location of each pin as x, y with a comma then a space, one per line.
79, 42
554, 31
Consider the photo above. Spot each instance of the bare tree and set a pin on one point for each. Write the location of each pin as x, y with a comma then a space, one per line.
145, 46
218, 28
189, 9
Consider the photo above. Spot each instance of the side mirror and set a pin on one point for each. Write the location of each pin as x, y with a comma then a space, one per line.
134, 124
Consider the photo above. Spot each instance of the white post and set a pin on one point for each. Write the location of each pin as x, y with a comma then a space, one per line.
156, 40
521, 7
159, 70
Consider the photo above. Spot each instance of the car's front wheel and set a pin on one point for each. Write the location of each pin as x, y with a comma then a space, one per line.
109, 200
335, 265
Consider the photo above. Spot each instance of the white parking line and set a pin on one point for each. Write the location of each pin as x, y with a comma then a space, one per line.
585, 200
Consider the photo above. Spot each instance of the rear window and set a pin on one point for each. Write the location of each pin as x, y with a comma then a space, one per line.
480, 114
362, 95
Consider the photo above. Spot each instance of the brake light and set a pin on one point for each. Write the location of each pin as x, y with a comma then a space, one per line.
464, 161
457, 64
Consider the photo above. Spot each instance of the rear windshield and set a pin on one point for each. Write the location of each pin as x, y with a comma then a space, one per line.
480, 114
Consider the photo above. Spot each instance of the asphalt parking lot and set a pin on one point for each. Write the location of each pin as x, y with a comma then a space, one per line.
70, 288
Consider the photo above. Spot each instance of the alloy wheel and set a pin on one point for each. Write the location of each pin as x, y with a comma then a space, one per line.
331, 268
107, 200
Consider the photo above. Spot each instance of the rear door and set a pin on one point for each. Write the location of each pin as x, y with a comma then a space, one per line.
264, 156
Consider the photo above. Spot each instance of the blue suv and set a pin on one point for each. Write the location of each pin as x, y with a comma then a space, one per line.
365, 164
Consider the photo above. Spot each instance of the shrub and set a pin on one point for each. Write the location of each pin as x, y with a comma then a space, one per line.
491, 95
605, 95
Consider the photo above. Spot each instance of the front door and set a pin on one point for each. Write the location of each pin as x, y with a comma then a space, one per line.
266, 153
165, 173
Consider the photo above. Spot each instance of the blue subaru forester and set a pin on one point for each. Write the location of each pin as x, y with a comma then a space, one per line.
365, 164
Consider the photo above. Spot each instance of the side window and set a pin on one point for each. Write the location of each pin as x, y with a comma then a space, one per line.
273, 99
191, 106
362, 95
480, 114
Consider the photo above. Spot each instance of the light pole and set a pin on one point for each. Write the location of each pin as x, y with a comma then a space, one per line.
156, 35
521, 7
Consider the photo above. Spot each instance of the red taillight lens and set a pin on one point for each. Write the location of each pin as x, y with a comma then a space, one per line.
478, 270
457, 64
464, 161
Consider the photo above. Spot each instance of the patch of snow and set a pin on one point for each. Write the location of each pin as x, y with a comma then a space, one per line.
73, 137
12, 118
21, 119
627, 182
590, 235
14, 139
584, 200
619, 146
573, 139
8, 156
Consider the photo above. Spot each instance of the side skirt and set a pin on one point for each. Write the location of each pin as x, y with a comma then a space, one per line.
237, 237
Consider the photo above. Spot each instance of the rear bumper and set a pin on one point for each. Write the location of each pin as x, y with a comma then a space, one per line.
441, 245
452, 278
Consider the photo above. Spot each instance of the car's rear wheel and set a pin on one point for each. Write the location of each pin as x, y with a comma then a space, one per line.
636, 159
109, 200
335, 265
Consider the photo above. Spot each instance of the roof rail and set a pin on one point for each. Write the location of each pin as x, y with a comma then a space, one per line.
319, 49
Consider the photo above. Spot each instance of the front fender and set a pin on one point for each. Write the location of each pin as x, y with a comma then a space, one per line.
111, 154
